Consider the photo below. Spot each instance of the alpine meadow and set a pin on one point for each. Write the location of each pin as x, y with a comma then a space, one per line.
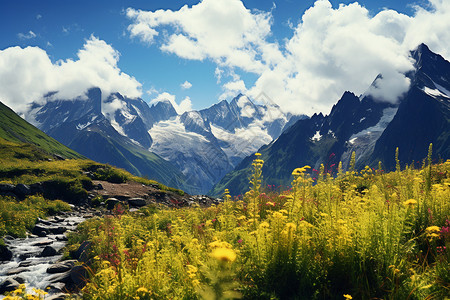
225, 149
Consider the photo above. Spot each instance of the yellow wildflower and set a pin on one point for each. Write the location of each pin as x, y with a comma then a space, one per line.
142, 290
410, 202
224, 254
264, 225
257, 154
346, 296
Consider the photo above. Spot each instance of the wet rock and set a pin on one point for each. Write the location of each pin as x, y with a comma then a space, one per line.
19, 279
79, 276
58, 296
45, 242
111, 202
40, 230
61, 267
56, 287
58, 230
25, 256
16, 271
48, 251
26, 263
58, 219
137, 202
82, 253
61, 238
5, 253
60, 277
8, 285
22, 190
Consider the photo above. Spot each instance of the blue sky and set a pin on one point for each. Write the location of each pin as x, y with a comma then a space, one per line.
62, 28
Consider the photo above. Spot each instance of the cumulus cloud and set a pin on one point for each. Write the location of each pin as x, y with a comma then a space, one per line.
332, 49
186, 85
221, 30
28, 74
183, 106
233, 88
26, 36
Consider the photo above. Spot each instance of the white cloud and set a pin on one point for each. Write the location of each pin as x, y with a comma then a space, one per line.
186, 85
233, 88
28, 74
185, 104
26, 36
221, 30
331, 50
39, 16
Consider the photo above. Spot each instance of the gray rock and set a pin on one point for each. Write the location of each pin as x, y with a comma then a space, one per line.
61, 267
22, 190
58, 230
60, 277
26, 263
56, 287
58, 296
79, 276
45, 242
137, 202
40, 230
5, 253
48, 251
82, 252
6, 187
8, 285
16, 271
111, 202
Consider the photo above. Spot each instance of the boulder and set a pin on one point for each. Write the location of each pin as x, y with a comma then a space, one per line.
8, 285
82, 252
5, 253
137, 202
22, 190
40, 230
79, 276
16, 271
57, 230
6, 187
60, 277
44, 242
61, 267
111, 202
48, 251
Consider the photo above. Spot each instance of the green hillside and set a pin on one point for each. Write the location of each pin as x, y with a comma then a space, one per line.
15, 129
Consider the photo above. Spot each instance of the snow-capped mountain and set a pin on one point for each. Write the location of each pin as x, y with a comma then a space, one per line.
370, 127
202, 145
207, 144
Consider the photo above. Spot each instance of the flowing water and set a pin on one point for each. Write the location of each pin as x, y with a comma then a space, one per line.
26, 264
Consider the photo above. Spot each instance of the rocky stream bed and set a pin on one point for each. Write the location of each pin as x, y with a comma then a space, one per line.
36, 259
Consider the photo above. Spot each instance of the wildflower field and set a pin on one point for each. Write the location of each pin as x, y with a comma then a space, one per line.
355, 235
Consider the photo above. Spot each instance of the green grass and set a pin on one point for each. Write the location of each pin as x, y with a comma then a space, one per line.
18, 217
14, 129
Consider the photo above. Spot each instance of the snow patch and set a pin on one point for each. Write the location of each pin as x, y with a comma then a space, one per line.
435, 93
316, 136
243, 141
83, 126
376, 130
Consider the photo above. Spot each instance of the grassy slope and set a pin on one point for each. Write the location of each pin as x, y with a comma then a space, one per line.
14, 129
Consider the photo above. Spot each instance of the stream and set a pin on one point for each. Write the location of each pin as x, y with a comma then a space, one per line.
33, 255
